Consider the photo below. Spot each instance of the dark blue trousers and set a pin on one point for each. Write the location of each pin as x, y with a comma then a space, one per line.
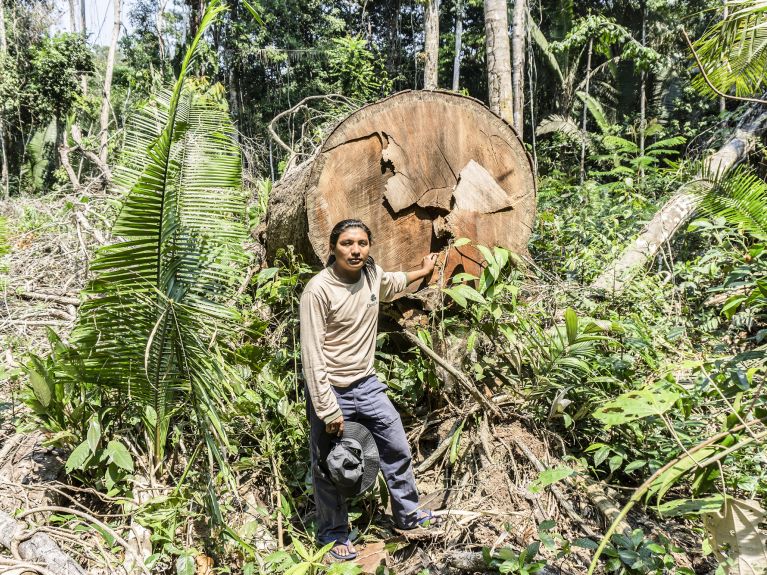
365, 402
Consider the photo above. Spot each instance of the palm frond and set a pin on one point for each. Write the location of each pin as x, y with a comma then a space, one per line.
740, 197
560, 124
595, 109
734, 51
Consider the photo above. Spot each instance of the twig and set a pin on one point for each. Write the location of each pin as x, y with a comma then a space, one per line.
47, 297
299, 105
443, 447
462, 379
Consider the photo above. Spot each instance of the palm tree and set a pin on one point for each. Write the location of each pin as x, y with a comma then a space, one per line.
158, 312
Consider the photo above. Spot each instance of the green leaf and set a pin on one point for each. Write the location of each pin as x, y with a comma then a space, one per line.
461, 242
634, 465
455, 443
119, 455
584, 543
185, 564
41, 387
456, 297
94, 435
549, 477
301, 550
637, 404
79, 456
571, 325
679, 507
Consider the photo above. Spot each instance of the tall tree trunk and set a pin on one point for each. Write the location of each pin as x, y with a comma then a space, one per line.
672, 216
458, 39
160, 21
498, 59
83, 25
431, 44
72, 16
105, 104
518, 35
643, 95
584, 133
4, 160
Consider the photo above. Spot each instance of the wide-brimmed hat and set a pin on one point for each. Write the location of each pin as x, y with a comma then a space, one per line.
350, 461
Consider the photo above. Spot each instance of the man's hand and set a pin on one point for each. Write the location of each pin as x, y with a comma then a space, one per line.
428, 262
335, 427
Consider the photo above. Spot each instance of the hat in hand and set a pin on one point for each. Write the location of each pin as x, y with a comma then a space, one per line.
351, 461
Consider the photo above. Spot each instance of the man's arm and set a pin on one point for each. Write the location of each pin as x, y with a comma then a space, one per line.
427, 266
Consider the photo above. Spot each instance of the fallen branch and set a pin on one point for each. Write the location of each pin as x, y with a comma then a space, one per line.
39, 548
462, 379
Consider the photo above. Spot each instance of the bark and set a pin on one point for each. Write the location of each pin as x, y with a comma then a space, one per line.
431, 44
420, 168
518, 35
72, 16
458, 40
105, 104
3, 39
584, 133
673, 215
497, 51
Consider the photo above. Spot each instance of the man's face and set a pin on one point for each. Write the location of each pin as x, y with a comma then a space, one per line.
351, 250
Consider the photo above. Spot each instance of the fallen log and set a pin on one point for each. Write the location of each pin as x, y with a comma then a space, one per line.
420, 168
673, 215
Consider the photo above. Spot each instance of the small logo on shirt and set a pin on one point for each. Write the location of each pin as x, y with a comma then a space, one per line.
373, 300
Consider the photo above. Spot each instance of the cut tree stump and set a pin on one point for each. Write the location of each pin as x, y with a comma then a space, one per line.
419, 168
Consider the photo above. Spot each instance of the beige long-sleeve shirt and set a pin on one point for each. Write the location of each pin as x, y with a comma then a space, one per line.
339, 322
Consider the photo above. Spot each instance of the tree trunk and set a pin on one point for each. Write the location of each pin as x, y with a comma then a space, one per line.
518, 34
420, 168
584, 133
498, 59
431, 45
643, 95
4, 190
83, 25
105, 104
672, 216
458, 39
722, 99
72, 17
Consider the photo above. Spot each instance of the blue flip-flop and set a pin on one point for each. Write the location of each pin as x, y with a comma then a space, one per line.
350, 557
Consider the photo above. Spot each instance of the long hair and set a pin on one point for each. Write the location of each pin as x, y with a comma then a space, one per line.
370, 265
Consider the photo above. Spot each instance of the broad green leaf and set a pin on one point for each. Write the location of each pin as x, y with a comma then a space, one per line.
634, 465
461, 242
301, 550
548, 477
571, 325
94, 435
41, 388
669, 477
492, 265
456, 297
464, 277
119, 455
469, 293
185, 564
78, 457
299, 569
636, 405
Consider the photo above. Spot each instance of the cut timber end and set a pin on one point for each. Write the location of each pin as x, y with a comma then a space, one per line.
419, 168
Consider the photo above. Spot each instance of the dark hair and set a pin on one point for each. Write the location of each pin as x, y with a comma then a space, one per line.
370, 265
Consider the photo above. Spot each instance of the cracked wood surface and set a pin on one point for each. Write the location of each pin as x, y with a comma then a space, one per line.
419, 168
